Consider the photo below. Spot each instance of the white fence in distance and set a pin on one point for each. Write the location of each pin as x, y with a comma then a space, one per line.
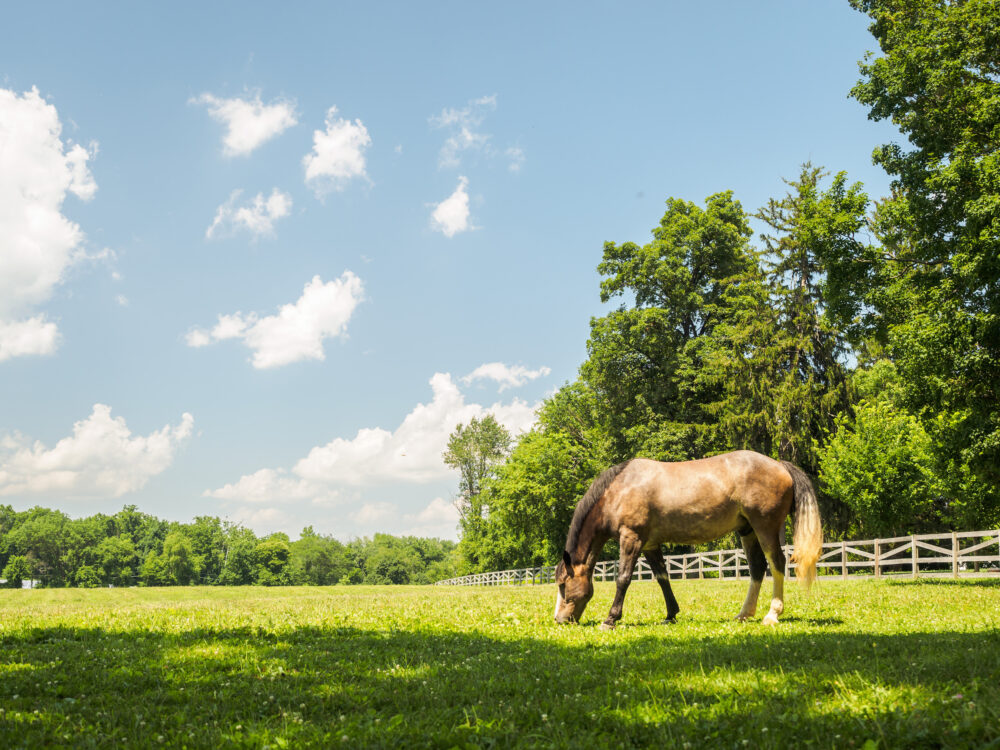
951, 554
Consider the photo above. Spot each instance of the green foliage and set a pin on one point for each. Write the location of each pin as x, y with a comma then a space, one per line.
879, 465
935, 287
116, 557
317, 560
532, 500
16, 571
475, 450
643, 358
272, 555
180, 560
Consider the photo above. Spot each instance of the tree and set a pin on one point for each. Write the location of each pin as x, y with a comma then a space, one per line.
180, 560
206, 537
475, 450
17, 571
936, 280
317, 560
532, 500
43, 538
643, 359
239, 564
272, 556
806, 382
117, 560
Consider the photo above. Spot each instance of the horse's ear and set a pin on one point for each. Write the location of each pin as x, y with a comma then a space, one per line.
568, 562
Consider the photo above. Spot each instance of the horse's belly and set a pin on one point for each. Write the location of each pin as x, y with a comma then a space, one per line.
675, 523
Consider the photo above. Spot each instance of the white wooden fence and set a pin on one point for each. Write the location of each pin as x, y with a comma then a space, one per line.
951, 554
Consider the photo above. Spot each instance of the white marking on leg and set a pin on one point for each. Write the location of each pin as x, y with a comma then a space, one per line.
750, 604
777, 598
555, 615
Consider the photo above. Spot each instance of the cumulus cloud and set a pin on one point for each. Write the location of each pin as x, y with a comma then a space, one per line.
249, 122
451, 215
257, 216
410, 453
298, 330
338, 154
102, 458
439, 519
463, 125
504, 375
269, 486
38, 244
19, 338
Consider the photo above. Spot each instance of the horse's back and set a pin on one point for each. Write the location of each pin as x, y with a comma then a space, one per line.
698, 501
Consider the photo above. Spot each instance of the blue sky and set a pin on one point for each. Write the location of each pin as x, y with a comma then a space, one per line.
257, 261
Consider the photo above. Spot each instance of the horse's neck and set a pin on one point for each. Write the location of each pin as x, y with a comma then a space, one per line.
589, 545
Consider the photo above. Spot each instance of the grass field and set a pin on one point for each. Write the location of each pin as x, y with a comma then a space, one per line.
886, 664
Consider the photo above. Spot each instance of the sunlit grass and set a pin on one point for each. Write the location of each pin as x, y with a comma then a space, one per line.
898, 663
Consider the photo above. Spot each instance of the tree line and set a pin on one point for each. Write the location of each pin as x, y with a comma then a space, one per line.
135, 548
857, 338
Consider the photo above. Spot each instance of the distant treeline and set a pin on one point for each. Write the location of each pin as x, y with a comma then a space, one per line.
133, 548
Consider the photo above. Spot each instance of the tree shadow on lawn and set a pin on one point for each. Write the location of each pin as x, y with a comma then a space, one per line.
321, 686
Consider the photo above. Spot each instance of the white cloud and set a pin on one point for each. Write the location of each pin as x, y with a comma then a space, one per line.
438, 520
19, 338
371, 514
257, 216
298, 330
265, 521
38, 244
505, 376
463, 124
515, 158
451, 215
411, 453
338, 154
249, 122
100, 459
267, 486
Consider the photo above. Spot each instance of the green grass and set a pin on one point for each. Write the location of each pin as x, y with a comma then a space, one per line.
893, 664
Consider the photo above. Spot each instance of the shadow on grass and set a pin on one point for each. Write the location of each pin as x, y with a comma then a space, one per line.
322, 686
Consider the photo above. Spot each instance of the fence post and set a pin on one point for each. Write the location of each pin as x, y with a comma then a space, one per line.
954, 555
843, 560
701, 565
913, 555
878, 561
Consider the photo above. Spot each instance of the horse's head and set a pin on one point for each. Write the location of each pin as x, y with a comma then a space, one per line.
576, 587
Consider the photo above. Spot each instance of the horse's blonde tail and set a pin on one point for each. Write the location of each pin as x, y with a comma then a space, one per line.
807, 535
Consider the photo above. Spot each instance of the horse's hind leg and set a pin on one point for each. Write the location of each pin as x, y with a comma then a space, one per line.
631, 547
656, 562
770, 541
758, 566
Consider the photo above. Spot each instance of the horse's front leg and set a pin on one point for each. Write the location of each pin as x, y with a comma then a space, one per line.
631, 548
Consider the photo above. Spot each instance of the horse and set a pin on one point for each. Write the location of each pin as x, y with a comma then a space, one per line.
647, 503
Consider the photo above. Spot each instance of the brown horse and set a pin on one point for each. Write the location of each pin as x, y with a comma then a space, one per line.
647, 503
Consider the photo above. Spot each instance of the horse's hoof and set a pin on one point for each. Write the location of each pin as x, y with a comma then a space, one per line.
607, 625
770, 619
743, 618
669, 621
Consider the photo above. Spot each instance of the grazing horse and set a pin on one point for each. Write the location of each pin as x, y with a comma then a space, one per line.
647, 503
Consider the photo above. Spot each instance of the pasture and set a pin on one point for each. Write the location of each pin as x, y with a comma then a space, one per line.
857, 664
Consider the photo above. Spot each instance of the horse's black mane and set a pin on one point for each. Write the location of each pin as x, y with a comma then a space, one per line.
589, 500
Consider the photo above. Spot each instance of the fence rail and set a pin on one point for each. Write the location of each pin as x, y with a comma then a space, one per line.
952, 554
